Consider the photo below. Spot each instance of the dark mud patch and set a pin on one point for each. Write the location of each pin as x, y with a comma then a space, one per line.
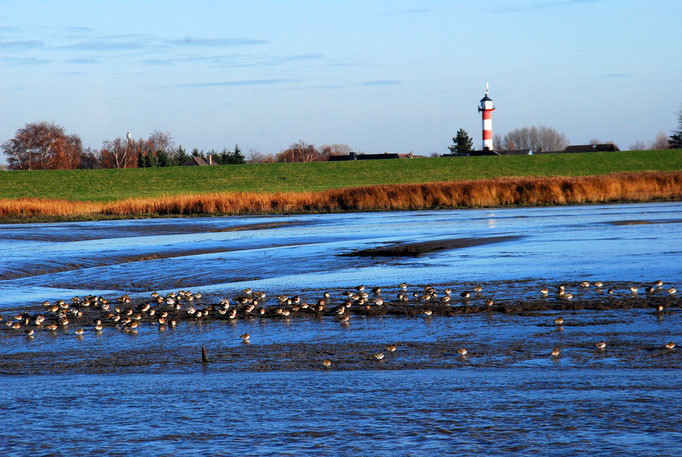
402, 249
644, 222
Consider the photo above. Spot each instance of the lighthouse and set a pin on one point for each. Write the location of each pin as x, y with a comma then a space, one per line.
487, 109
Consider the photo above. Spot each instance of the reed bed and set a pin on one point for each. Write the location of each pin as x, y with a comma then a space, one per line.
499, 192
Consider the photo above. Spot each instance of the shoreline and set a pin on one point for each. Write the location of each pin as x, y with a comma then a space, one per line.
487, 193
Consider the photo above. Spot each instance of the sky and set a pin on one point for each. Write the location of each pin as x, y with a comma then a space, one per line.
381, 76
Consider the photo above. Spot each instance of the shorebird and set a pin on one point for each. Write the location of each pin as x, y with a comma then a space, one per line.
30, 332
391, 348
658, 283
555, 352
462, 351
403, 286
245, 337
633, 289
585, 284
601, 345
670, 345
379, 355
79, 332
559, 320
360, 288
598, 284
544, 291
610, 291
568, 296
477, 288
672, 291
465, 294
649, 289
327, 363
428, 312
489, 302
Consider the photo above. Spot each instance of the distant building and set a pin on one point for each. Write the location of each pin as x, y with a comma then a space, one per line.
581, 148
608, 147
363, 156
198, 161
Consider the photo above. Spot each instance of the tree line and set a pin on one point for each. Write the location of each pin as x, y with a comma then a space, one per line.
46, 145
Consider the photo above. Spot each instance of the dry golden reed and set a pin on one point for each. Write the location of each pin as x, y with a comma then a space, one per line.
633, 187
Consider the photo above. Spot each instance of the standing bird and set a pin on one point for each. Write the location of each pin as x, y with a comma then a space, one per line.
555, 352
601, 345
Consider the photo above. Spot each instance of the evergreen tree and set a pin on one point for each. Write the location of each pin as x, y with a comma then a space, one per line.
180, 156
462, 143
224, 157
162, 159
237, 156
196, 153
141, 162
676, 137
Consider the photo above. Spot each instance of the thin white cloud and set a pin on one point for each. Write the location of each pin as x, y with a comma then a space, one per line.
217, 42
245, 82
100, 45
22, 44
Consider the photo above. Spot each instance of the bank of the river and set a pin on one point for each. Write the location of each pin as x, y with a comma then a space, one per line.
499, 192
110, 185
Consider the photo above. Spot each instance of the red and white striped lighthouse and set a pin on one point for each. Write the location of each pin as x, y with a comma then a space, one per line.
487, 109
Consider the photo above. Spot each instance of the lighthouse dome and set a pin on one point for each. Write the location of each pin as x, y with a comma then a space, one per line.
486, 104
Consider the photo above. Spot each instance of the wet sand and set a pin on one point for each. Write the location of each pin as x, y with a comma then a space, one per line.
590, 308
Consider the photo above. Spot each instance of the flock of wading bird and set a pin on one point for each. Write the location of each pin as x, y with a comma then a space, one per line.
167, 310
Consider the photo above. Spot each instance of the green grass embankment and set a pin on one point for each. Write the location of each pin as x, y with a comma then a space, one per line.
112, 184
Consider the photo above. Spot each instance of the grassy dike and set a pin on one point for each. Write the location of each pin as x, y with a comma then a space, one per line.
112, 184
461, 182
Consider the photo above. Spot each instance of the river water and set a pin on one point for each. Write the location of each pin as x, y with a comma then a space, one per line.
147, 392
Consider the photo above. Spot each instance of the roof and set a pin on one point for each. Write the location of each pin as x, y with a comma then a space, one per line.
486, 99
363, 156
195, 161
517, 152
592, 148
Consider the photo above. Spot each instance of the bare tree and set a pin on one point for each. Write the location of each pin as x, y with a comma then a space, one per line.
120, 153
255, 156
638, 145
498, 142
536, 138
335, 149
42, 145
299, 152
161, 141
661, 142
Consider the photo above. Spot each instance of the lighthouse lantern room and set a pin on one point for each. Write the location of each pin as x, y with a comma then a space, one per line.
487, 108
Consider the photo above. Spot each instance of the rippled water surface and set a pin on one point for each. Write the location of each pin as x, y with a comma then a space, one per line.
148, 393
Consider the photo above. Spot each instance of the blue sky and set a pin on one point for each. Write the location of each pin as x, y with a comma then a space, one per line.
380, 76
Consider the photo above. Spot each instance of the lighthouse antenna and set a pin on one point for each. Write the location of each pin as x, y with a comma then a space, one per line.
486, 88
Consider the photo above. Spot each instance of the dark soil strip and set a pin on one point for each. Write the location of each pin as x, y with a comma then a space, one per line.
402, 249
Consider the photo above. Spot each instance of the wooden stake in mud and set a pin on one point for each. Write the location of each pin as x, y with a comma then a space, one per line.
204, 357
